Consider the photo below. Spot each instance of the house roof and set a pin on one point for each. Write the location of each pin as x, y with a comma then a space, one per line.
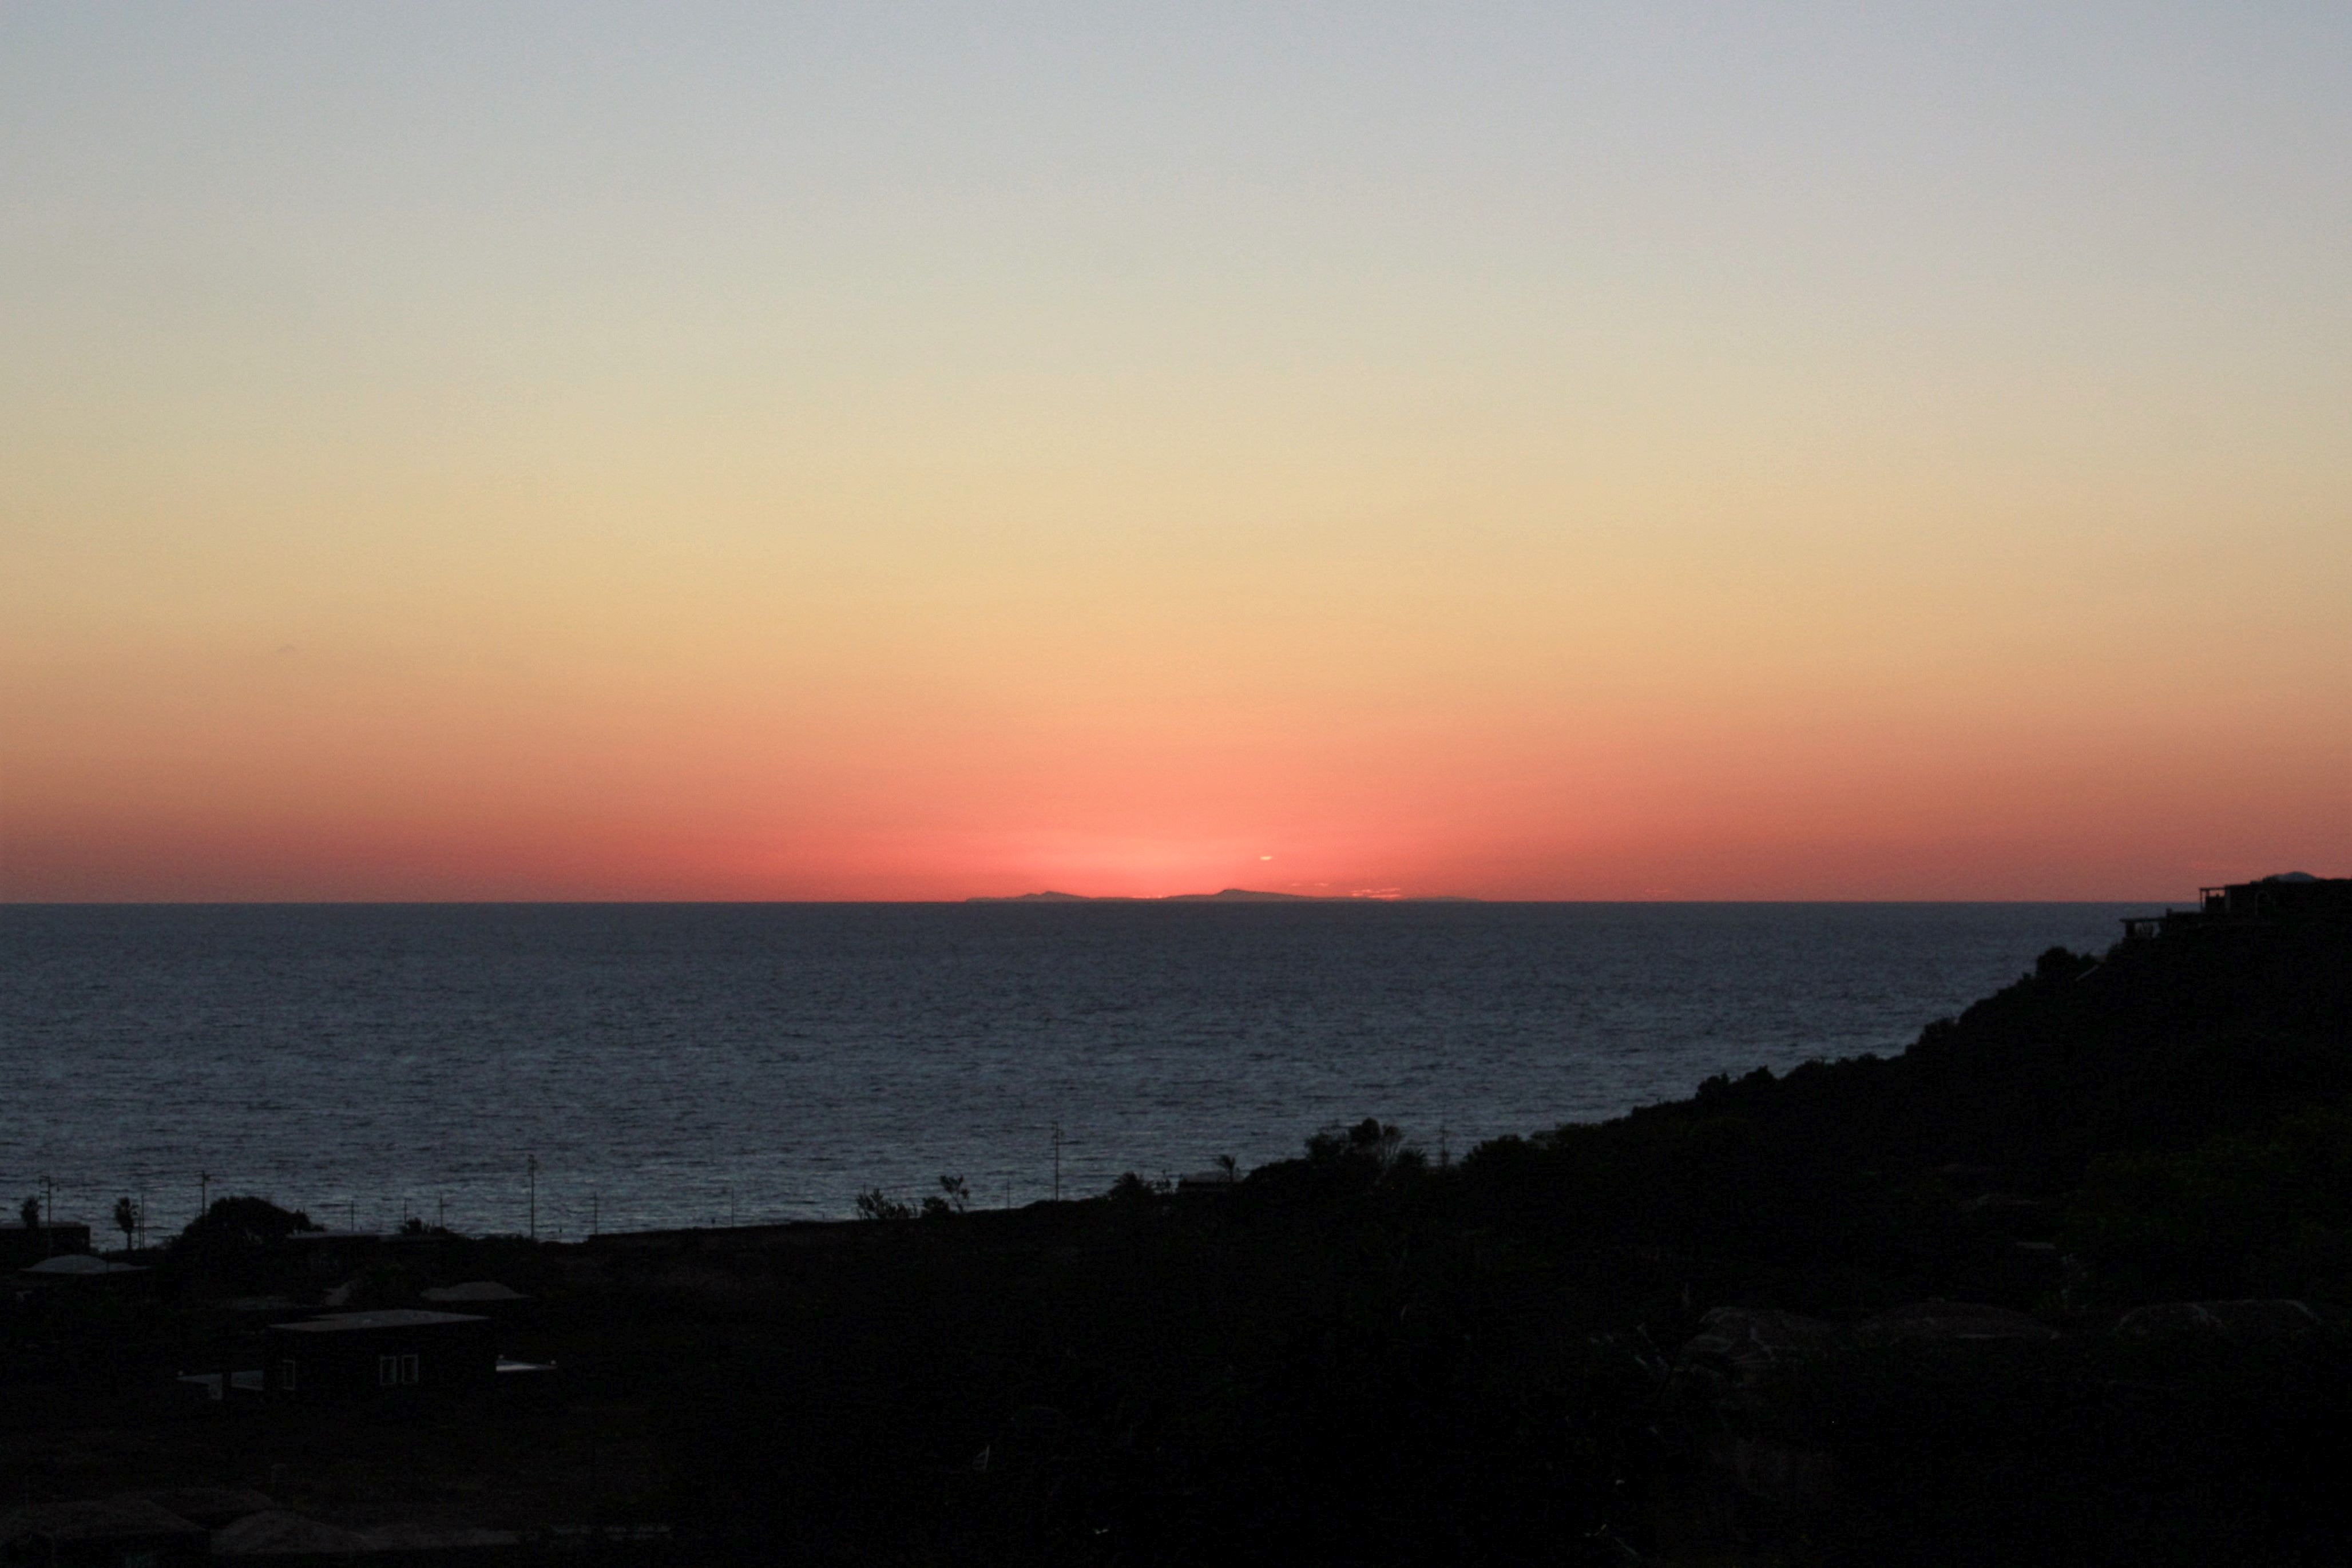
74, 1265
348, 1323
474, 1290
274, 1532
111, 1518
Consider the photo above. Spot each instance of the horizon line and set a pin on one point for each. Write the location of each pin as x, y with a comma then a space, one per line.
1026, 900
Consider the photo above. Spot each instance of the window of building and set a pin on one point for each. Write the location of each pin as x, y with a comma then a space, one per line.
286, 1374
387, 1371
408, 1369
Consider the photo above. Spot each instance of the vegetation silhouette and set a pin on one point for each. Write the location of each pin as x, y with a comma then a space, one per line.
2064, 1282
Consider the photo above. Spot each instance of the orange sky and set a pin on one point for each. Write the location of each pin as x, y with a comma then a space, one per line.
501, 454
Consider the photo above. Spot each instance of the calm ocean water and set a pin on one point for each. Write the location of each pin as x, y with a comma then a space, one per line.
685, 1064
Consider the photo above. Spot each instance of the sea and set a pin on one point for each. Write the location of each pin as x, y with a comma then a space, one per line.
569, 1068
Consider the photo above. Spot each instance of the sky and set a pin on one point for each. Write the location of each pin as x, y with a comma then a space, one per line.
882, 452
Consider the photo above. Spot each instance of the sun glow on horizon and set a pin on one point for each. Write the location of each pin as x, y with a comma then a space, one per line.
1502, 453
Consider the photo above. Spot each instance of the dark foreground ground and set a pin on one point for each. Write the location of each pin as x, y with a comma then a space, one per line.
2055, 1285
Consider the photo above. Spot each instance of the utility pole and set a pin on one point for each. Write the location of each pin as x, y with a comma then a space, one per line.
1058, 1162
531, 1166
595, 1215
204, 1192
441, 1212
50, 1215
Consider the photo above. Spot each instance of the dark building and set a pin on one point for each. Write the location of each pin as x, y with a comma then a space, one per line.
2292, 897
355, 1355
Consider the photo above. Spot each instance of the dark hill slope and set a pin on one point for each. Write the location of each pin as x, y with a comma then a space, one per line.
1577, 1347
1981, 1134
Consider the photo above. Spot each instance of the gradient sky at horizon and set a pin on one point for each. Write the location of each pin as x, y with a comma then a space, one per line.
1565, 451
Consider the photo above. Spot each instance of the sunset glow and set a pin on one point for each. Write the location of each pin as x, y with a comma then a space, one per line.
594, 453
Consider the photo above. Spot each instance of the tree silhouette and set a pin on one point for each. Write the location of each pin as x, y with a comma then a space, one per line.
126, 1219
238, 1224
954, 1198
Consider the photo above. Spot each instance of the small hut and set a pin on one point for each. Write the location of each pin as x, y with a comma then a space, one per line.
354, 1355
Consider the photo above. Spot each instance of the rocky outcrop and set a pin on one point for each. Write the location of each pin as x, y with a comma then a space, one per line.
2237, 1322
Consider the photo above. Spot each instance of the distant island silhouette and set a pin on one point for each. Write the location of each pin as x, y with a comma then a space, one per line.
1222, 895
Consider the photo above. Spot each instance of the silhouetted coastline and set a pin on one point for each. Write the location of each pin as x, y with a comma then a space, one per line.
2063, 1281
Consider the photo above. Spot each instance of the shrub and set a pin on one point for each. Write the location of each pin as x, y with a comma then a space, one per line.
245, 1224
954, 1198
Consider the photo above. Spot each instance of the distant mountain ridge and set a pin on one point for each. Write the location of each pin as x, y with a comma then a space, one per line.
1222, 895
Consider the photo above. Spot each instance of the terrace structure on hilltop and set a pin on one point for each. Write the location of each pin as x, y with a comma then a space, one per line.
2294, 897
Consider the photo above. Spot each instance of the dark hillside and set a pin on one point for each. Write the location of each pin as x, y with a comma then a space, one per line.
1984, 1130
2062, 1282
